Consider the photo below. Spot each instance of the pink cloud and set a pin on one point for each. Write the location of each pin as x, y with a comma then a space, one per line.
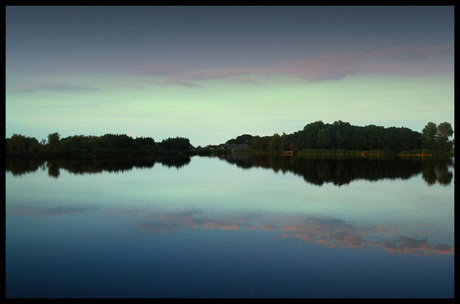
393, 60
412, 52
158, 71
222, 73
190, 78
399, 60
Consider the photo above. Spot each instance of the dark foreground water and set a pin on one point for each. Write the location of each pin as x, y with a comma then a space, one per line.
236, 227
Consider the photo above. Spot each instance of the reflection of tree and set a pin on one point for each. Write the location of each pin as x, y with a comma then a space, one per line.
437, 171
21, 166
53, 169
315, 171
75, 166
242, 161
343, 171
177, 162
93, 166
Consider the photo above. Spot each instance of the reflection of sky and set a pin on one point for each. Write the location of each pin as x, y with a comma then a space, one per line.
399, 216
34, 211
211, 184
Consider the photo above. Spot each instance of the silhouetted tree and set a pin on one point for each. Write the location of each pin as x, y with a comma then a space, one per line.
176, 144
442, 136
275, 142
242, 139
437, 137
53, 141
20, 144
322, 138
429, 135
284, 142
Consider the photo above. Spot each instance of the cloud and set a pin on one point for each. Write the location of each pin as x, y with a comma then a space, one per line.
219, 73
396, 60
48, 86
392, 60
409, 53
178, 82
129, 86
191, 78
158, 71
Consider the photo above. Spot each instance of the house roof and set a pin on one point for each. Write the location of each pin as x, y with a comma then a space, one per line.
239, 146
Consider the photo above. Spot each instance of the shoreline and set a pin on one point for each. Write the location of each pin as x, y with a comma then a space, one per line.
347, 153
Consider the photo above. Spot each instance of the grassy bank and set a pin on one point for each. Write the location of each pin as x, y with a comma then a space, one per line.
348, 153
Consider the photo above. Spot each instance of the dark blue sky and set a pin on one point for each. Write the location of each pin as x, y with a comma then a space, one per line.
213, 36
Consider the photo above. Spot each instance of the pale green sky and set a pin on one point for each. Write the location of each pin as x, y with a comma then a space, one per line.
214, 111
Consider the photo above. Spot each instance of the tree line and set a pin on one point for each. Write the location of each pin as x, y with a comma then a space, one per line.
344, 136
108, 145
338, 136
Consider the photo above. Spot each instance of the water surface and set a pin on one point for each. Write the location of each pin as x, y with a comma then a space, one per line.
230, 227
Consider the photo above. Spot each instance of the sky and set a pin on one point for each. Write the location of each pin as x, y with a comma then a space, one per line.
212, 73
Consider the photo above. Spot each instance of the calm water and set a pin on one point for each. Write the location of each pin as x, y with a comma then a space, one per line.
237, 227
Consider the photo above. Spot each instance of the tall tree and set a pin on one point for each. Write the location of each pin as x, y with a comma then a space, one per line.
19, 144
339, 139
444, 130
53, 141
323, 138
429, 135
275, 142
442, 137
284, 142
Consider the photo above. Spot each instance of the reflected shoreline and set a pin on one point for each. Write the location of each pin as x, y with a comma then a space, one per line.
316, 171
91, 166
342, 171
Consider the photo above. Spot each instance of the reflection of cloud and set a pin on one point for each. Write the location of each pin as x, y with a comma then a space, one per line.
44, 212
414, 246
330, 232
333, 233
174, 221
339, 234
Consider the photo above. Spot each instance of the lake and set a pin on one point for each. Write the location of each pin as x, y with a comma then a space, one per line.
235, 226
